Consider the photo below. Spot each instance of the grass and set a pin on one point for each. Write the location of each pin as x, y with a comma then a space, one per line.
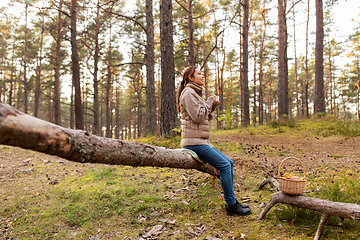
93, 201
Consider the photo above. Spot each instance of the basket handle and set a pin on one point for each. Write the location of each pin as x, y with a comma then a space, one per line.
288, 158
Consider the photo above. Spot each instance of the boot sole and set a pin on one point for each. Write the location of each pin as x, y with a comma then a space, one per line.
238, 214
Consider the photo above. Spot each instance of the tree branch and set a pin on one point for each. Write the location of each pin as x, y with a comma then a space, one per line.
181, 5
292, 6
126, 17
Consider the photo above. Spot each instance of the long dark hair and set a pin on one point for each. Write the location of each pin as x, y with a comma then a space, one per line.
189, 71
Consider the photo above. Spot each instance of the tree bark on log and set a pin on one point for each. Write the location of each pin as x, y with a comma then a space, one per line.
327, 208
22, 130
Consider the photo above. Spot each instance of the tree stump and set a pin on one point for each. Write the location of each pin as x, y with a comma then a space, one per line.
327, 208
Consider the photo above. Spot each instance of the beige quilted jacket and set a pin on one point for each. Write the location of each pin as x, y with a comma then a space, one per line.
195, 115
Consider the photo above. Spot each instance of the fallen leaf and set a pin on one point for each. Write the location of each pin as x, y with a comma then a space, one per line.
212, 238
154, 231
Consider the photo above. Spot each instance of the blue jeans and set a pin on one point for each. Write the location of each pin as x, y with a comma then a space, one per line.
221, 162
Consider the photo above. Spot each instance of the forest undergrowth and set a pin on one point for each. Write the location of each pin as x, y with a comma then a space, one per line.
46, 197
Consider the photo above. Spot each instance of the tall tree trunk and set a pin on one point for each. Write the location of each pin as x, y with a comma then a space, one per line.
38, 82
261, 71
245, 118
168, 102
79, 116
96, 121
18, 91
296, 69
306, 61
108, 94
283, 104
138, 103
221, 79
254, 86
191, 32
50, 109
150, 125
129, 125
206, 80
117, 114
331, 81
72, 108
85, 106
270, 100
57, 107
358, 88
217, 85
12, 83
240, 66
25, 59
319, 98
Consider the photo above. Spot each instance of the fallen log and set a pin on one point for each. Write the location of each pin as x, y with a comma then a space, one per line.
22, 130
327, 208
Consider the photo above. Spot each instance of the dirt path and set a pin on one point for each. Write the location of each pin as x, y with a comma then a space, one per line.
312, 151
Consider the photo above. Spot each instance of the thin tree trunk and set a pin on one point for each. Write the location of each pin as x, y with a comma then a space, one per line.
18, 91
270, 99
358, 92
97, 127
138, 103
206, 80
12, 83
50, 109
319, 98
25, 59
245, 118
72, 110
306, 61
150, 125
85, 104
57, 107
191, 32
168, 101
261, 71
79, 116
296, 69
254, 86
129, 124
241, 67
117, 113
108, 94
38, 82
221, 82
331, 81
283, 104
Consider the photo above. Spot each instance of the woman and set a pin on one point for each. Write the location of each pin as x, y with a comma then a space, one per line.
195, 116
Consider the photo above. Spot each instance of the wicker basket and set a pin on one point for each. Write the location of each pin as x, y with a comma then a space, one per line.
291, 186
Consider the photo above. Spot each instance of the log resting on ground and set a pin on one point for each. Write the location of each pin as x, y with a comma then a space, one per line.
22, 130
327, 208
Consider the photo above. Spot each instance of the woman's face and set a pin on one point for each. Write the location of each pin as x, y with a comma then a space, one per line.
197, 77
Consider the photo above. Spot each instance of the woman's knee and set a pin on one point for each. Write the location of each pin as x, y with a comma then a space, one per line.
226, 165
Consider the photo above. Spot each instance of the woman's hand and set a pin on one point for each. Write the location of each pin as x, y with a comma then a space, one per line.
217, 102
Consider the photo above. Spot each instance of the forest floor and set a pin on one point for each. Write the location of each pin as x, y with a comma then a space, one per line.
46, 197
